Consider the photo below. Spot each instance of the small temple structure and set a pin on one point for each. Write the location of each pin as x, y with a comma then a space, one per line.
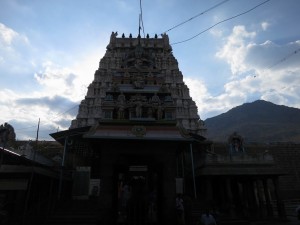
138, 141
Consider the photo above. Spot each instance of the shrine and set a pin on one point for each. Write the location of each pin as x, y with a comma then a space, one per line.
131, 132
138, 140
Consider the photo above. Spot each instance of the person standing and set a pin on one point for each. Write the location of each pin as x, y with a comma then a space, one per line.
207, 219
180, 210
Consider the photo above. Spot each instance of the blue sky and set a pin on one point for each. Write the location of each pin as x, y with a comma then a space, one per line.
49, 51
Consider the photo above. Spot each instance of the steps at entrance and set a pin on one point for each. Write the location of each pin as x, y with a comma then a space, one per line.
76, 212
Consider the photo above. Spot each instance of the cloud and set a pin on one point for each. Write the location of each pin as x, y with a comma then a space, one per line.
53, 103
265, 71
242, 54
52, 111
55, 85
234, 50
270, 55
216, 32
9, 37
265, 25
73, 79
198, 92
51, 75
209, 105
15, 52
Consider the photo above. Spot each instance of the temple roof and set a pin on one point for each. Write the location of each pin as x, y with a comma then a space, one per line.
136, 131
138, 78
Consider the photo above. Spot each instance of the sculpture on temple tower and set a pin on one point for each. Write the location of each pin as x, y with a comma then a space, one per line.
236, 144
139, 78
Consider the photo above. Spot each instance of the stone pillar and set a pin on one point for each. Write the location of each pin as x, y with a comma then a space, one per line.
261, 208
230, 198
222, 193
279, 201
252, 199
246, 207
237, 197
267, 197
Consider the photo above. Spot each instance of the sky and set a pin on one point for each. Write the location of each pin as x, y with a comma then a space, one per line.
229, 52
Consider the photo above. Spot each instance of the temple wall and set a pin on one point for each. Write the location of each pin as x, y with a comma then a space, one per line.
285, 155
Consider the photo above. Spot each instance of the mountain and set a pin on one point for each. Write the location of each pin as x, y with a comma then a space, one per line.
259, 121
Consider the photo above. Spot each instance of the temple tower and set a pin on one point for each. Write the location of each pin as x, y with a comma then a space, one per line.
139, 79
135, 128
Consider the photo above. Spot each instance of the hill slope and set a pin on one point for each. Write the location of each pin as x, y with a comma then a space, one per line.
259, 121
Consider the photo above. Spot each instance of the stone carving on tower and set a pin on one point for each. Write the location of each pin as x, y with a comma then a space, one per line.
139, 79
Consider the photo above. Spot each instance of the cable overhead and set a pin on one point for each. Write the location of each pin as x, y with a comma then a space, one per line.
68, 110
230, 18
285, 58
211, 8
51, 119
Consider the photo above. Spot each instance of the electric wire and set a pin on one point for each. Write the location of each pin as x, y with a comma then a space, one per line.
230, 18
284, 58
68, 110
32, 129
43, 130
199, 14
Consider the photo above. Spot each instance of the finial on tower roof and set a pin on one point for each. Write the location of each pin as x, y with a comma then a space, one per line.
139, 36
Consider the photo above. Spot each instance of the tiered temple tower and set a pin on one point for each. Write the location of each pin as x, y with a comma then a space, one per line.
138, 79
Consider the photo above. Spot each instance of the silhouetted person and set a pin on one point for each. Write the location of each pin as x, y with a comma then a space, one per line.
180, 210
207, 218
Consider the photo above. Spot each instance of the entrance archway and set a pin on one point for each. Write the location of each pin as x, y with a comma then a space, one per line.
137, 195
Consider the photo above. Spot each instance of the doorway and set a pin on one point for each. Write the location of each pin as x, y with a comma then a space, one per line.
137, 195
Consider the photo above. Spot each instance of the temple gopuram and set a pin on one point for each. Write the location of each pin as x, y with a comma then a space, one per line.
138, 141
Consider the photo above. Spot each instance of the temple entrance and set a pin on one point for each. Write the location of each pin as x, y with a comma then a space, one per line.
137, 196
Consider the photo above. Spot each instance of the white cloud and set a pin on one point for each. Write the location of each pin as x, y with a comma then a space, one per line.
274, 56
8, 36
53, 78
216, 32
58, 77
265, 25
266, 71
234, 50
209, 105
14, 49
12, 106
198, 92
73, 80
